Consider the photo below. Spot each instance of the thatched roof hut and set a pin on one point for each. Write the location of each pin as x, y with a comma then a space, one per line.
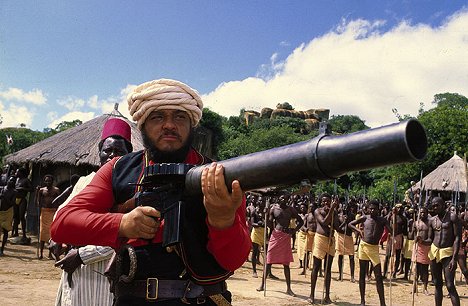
449, 177
76, 146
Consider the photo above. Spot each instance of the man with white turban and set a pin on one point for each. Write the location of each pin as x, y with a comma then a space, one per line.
214, 237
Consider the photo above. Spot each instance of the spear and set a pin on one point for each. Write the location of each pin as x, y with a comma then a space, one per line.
265, 216
38, 200
345, 213
327, 256
415, 248
392, 253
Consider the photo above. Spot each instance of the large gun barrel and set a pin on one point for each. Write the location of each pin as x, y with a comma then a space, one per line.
324, 157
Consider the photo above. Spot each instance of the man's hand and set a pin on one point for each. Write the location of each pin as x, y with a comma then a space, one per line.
70, 262
361, 233
452, 265
220, 205
141, 222
335, 203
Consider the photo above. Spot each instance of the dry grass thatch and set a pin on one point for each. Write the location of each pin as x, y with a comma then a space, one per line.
75, 146
450, 176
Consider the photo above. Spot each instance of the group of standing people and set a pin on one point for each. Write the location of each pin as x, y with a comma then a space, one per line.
14, 189
431, 239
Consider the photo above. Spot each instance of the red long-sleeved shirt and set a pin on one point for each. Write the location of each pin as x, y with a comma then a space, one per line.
86, 220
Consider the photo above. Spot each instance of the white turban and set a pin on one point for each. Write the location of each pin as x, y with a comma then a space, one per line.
164, 94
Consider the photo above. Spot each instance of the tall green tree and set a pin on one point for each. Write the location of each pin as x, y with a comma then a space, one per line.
65, 125
213, 122
21, 138
345, 124
446, 126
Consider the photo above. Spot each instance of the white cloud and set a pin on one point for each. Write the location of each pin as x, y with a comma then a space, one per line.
71, 103
357, 69
34, 96
102, 106
13, 115
51, 116
83, 116
93, 102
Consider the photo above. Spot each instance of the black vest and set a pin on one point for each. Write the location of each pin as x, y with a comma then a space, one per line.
201, 266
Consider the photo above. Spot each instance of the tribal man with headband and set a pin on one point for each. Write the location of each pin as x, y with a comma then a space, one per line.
215, 238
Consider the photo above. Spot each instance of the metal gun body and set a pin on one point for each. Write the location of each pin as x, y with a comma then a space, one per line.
324, 157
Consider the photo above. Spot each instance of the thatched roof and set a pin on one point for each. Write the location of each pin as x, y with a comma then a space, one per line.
450, 176
75, 146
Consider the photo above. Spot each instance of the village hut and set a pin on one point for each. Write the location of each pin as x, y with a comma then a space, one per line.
449, 180
73, 151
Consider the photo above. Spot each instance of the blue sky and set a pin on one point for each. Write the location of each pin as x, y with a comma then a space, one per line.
66, 60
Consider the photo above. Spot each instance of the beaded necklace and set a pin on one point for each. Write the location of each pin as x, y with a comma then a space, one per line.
437, 219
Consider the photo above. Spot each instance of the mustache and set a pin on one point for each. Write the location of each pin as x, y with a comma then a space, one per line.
170, 133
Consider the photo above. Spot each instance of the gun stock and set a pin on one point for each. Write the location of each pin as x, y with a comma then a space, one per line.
324, 157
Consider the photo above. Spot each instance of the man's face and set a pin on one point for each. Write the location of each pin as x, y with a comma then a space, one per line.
423, 214
112, 147
374, 210
283, 200
168, 129
326, 201
437, 205
11, 182
48, 181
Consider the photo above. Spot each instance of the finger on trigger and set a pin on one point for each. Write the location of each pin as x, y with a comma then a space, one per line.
152, 212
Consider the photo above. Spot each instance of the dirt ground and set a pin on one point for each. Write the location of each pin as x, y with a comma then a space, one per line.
25, 280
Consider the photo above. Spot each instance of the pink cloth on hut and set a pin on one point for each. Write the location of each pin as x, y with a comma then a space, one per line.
422, 254
279, 248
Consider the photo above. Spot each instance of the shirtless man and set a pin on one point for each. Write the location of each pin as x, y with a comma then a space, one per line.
445, 231
7, 201
45, 197
279, 247
395, 242
310, 226
250, 200
5, 175
345, 243
23, 186
420, 232
257, 220
302, 236
373, 227
408, 246
324, 244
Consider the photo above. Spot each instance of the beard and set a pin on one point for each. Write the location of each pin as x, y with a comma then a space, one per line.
158, 156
